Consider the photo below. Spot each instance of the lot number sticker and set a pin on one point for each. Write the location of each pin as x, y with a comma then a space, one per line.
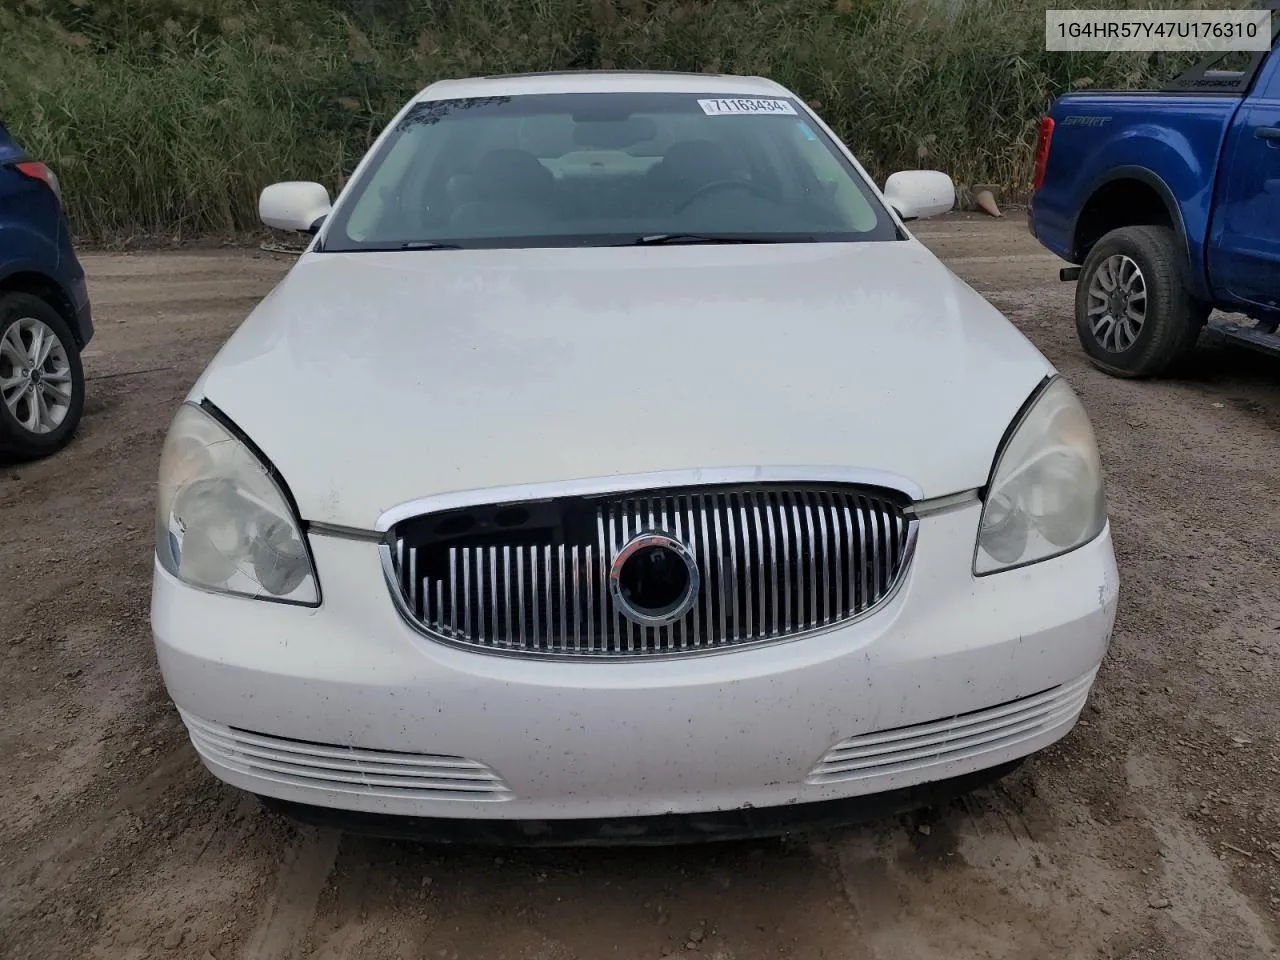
723, 108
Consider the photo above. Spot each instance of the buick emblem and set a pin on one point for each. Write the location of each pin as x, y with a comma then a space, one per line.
653, 579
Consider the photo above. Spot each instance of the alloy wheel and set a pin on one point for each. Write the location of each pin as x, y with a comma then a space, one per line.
1117, 303
35, 375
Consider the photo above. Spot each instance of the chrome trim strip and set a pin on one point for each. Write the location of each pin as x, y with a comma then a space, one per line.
952, 501
917, 508
597, 486
339, 532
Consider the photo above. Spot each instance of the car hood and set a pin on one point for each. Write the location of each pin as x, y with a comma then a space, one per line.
373, 379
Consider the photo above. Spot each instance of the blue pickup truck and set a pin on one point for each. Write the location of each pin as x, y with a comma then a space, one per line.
1168, 202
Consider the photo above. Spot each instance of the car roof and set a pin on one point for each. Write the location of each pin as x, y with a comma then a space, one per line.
604, 81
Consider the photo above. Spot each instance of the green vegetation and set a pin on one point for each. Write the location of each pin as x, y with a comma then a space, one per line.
166, 117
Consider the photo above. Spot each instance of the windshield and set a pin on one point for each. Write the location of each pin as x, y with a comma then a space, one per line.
604, 168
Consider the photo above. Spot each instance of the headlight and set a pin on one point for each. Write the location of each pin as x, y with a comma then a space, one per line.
1045, 496
222, 522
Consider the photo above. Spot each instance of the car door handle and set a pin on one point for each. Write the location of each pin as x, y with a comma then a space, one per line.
1267, 133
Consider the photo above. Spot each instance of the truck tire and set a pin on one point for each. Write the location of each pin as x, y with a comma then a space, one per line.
41, 379
1134, 314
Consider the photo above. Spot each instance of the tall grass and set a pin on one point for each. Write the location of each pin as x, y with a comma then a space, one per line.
166, 117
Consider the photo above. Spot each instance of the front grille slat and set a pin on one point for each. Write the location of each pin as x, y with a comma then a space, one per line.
414, 585
773, 562
760, 580
468, 626
788, 624
735, 612
692, 636
489, 588
704, 597
677, 638
602, 577
519, 593
548, 636
562, 595
748, 574
844, 519
824, 557
864, 561
577, 600
837, 575
591, 611
876, 549
506, 593
624, 534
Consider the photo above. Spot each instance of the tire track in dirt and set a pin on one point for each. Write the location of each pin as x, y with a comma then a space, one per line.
289, 911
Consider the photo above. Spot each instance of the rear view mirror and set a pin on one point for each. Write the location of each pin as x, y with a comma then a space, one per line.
614, 134
917, 194
295, 205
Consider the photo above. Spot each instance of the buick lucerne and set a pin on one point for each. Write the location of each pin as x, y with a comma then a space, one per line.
614, 465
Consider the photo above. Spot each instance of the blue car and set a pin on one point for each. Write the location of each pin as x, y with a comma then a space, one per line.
45, 318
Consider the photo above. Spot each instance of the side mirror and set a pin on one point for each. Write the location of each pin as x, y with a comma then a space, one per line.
295, 205
917, 194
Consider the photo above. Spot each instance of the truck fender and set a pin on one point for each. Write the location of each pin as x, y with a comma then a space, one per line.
1174, 210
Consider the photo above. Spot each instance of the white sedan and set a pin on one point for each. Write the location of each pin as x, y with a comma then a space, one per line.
615, 465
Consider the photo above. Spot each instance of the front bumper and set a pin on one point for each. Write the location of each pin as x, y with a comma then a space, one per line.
344, 706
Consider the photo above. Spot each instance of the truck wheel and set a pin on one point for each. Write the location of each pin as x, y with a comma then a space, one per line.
41, 380
1134, 315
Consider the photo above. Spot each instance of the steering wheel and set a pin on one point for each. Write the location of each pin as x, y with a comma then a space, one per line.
715, 185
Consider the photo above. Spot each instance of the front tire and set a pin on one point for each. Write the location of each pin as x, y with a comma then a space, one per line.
41, 379
1134, 314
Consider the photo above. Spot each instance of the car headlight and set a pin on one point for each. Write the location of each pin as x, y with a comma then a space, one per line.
1045, 497
222, 521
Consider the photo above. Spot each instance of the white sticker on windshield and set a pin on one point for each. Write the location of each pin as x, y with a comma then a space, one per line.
721, 108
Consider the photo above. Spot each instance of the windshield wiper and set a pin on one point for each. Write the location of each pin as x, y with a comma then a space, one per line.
659, 239
428, 245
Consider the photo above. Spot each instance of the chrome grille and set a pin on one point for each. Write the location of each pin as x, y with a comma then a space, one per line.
532, 578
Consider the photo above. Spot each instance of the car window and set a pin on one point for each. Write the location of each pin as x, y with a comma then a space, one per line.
586, 169
830, 177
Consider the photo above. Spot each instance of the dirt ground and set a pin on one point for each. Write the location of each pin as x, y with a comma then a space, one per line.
1152, 831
